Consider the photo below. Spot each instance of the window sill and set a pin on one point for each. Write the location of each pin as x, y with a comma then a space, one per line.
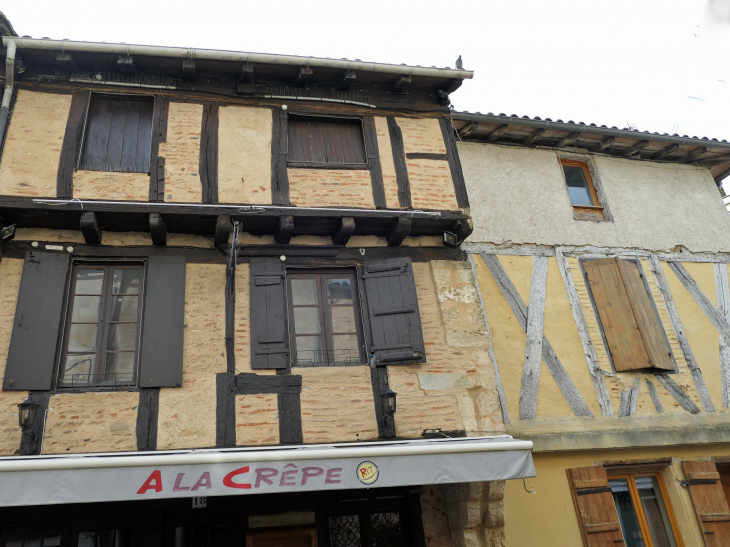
110, 171
313, 165
588, 212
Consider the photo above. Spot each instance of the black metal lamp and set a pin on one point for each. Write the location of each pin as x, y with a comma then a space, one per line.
27, 411
388, 398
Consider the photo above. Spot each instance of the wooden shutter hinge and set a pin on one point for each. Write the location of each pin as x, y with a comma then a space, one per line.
689, 482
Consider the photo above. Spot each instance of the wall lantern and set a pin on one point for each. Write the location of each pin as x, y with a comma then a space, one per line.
388, 398
27, 411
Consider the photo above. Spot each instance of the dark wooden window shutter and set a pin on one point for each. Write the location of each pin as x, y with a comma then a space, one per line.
161, 349
634, 334
269, 338
711, 507
32, 353
395, 322
326, 140
594, 506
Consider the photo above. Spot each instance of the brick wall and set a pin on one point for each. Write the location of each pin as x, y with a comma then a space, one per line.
182, 153
330, 188
257, 419
111, 185
387, 166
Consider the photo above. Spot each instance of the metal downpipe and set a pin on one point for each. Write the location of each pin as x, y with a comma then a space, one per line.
8, 93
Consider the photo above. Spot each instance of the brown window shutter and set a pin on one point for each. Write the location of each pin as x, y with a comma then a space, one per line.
630, 324
594, 506
711, 507
269, 338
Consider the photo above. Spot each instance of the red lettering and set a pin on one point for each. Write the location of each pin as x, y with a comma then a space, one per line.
154, 482
228, 479
331, 476
363, 472
205, 482
308, 472
287, 476
178, 480
263, 474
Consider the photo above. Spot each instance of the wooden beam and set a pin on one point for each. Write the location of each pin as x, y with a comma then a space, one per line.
722, 291
222, 230
125, 63
147, 412
565, 384
589, 351
654, 396
158, 230
246, 75
304, 74
90, 229
188, 69
225, 410
443, 98
452, 156
462, 228
570, 139
534, 136
468, 129
452, 85
693, 154
629, 400
533, 344
601, 146
689, 357
494, 135
399, 162
285, 230
400, 84
634, 149
245, 89
345, 83
208, 154
678, 393
399, 230
344, 231
248, 383
669, 150
65, 61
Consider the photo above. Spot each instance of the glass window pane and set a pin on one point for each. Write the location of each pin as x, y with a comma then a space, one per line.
122, 336
89, 281
346, 348
126, 281
78, 368
309, 349
304, 292
87, 539
106, 538
343, 319
52, 540
386, 530
34, 540
120, 367
82, 338
306, 321
124, 308
86, 309
655, 512
345, 531
626, 513
339, 291
14, 540
577, 186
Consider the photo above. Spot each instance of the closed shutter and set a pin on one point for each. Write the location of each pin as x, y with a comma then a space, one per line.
395, 322
630, 323
161, 353
594, 506
711, 507
269, 339
37, 323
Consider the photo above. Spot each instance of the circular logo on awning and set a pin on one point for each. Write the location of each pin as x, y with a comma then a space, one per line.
367, 472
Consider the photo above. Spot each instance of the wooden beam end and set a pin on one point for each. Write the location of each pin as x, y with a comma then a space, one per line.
90, 229
158, 229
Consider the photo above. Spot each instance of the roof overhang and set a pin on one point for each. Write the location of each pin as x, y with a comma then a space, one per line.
45, 480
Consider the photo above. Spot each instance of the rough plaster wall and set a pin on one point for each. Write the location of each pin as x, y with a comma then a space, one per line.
337, 404
654, 206
91, 422
244, 155
435, 517
386, 162
11, 270
189, 240
33, 144
455, 388
330, 188
182, 153
187, 415
257, 419
107, 185
44, 234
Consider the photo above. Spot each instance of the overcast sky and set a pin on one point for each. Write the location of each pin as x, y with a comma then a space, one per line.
657, 65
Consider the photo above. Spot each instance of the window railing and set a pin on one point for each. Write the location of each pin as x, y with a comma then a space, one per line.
318, 358
106, 380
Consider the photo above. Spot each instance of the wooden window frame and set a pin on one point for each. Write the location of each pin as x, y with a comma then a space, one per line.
585, 212
294, 116
102, 335
273, 534
323, 274
101, 95
639, 508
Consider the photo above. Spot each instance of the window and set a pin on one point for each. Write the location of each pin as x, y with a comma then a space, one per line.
326, 327
102, 326
381, 529
646, 520
326, 141
118, 134
105, 538
633, 332
581, 191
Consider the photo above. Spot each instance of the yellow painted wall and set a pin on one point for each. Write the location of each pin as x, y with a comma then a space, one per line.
548, 517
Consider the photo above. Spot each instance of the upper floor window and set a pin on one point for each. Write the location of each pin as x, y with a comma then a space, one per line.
118, 134
326, 141
102, 326
581, 191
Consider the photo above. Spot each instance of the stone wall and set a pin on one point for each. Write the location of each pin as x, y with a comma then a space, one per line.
330, 188
182, 153
33, 144
111, 185
476, 513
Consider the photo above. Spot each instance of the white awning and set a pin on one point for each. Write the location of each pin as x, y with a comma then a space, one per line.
39, 480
